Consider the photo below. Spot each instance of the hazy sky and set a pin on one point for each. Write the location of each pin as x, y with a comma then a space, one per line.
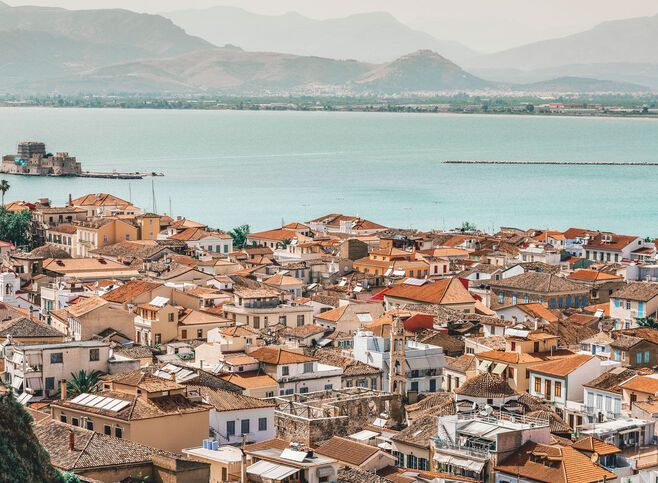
486, 25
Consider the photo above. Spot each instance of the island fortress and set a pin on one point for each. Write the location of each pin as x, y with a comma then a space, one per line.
32, 159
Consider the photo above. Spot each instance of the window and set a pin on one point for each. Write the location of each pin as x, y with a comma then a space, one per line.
107, 429
199, 333
75, 421
415, 373
300, 320
423, 464
558, 389
535, 347
400, 458
329, 387
513, 346
526, 299
510, 372
269, 394
183, 334
646, 357
628, 305
170, 317
62, 418
256, 322
537, 385
514, 299
158, 338
118, 432
94, 355
638, 357
230, 428
501, 298
303, 390
56, 358
373, 383
414, 386
262, 424
225, 248
285, 370
90, 425
412, 461
283, 320
244, 426
50, 383
308, 367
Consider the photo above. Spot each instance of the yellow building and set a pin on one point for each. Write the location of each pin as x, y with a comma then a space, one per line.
142, 408
100, 232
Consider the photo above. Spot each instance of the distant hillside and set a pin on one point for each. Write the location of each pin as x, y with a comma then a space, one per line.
421, 71
228, 69
112, 29
583, 85
620, 41
370, 37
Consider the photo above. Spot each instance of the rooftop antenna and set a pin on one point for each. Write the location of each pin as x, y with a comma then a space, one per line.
155, 208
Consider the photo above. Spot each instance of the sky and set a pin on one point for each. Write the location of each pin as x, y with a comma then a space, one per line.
485, 25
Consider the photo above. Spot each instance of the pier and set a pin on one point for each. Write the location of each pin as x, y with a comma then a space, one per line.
117, 175
565, 163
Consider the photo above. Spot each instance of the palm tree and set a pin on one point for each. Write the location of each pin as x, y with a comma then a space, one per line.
83, 381
239, 235
648, 322
4, 187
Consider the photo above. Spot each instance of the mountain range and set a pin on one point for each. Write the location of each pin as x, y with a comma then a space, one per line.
375, 37
54, 50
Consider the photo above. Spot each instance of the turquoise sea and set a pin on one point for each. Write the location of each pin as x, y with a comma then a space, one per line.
232, 167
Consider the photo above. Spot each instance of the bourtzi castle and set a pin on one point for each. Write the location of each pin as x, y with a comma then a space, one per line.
32, 159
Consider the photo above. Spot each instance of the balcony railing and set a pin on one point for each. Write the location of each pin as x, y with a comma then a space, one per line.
480, 452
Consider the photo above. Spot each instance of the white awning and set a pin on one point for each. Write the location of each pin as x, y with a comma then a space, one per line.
17, 382
24, 398
364, 435
18, 358
442, 458
484, 366
628, 431
499, 369
271, 471
34, 383
385, 446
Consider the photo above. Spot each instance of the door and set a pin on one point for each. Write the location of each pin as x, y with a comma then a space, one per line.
432, 385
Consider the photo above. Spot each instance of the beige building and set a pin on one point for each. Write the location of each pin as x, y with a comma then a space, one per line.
141, 408
261, 308
90, 317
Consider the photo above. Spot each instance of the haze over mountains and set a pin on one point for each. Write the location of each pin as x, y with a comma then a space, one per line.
375, 37
51, 50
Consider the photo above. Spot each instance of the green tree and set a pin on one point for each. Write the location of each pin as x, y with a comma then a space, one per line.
15, 226
82, 382
239, 235
648, 322
4, 187
468, 226
22, 458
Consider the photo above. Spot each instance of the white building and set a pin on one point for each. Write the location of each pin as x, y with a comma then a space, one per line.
38, 369
424, 362
235, 415
297, 373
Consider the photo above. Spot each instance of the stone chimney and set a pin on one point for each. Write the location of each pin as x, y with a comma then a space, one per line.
63, 389
71, 440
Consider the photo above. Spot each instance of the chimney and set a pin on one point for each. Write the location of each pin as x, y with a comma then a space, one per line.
71, 440
63, 389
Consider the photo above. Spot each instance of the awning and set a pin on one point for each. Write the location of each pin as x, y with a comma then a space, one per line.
17, 382
628, 431
385, 446
34, 383
499, 369
484, 366
271, 471
364, 435
24, 398
18, 358
440, 458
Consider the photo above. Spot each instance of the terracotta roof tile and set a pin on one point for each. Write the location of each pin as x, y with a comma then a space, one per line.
347, 451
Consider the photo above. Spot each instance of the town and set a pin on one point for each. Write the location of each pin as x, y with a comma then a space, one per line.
152, 348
